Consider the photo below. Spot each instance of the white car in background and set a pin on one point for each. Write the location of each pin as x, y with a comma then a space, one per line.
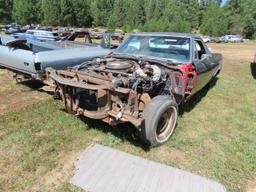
233, 38
206, 39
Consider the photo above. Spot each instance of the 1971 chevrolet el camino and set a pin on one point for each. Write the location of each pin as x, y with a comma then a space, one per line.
29, 58
143, 82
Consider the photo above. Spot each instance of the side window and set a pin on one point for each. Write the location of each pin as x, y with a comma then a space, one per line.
199, 49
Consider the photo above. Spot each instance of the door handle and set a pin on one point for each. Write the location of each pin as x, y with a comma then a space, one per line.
26, 64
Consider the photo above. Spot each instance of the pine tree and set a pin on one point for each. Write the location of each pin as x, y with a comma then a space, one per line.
101, 11
82, 13
5, 11
26, 11
51, 11
67, 13
214, 21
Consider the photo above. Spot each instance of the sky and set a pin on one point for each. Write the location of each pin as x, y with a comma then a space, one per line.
224, 1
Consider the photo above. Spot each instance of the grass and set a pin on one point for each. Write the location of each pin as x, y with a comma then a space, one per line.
215, 136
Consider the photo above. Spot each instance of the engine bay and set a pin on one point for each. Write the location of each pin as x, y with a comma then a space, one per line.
140, 76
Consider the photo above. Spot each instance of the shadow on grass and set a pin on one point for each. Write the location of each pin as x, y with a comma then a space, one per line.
124, 131
36, 85
195, 99
253, 70
32, 84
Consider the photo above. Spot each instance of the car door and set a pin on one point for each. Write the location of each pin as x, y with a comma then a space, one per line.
204, 65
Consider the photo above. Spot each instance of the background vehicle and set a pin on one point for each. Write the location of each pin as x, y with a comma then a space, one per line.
206, 39
39, 35
143, 83
12, 28
233, 38
30, 58
216, 39
118, 36
96, 34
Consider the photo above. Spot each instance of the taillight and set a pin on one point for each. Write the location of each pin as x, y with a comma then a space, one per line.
38, 66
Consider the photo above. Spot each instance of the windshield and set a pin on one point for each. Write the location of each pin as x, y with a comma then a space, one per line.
164, 47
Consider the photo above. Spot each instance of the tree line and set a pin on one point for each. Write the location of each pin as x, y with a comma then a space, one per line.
203, 16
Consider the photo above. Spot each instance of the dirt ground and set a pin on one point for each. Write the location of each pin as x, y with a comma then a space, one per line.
15, 97
252, 186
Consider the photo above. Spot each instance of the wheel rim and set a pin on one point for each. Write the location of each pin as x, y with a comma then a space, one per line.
166, 125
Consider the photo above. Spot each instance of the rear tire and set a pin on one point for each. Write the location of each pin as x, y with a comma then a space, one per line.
160, 117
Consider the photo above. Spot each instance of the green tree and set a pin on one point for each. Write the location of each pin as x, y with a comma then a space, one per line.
26, 11
119, 15
214, 22
242, 17
237, 16
101, 11
149, 7
176, 16
5, 11
51, 11
82, 13
135, 15
67, 13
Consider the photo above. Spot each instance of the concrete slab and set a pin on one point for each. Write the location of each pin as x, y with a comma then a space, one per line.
103, 169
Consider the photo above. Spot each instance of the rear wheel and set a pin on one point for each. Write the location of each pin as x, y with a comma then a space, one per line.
160, 117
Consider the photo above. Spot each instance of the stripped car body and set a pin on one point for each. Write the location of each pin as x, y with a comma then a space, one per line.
39, 35
143, 82
29, 59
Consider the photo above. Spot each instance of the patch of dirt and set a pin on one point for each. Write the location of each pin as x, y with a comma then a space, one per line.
252, 186
18, 100
14, 97
237, 58
165, 154
238, 52
58, 176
